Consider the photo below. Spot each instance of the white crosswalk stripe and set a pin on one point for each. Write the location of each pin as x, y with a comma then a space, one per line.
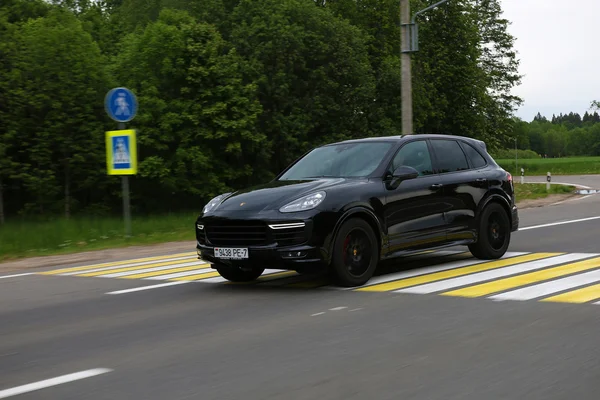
490, 275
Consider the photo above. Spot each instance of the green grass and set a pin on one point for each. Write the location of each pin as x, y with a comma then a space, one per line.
531, 191
556, 166
62, 236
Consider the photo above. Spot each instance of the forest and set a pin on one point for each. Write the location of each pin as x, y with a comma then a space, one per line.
231, 91
563, 135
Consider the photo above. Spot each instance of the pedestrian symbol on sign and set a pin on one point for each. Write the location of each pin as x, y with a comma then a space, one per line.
121, 154
122, 105
121, 158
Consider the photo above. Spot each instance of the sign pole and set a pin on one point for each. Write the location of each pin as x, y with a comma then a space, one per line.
126, 201
121, 146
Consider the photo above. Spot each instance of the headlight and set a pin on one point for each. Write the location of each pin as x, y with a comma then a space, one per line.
305, 203
213, 204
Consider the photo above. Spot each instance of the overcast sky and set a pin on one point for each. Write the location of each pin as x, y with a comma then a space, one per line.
558, 49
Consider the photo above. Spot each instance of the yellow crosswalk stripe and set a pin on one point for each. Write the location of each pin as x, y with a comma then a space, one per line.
577, 296
117, 263
276, 275
196, 277
138, 267
418, 280
265, 278
525, 279
161, 272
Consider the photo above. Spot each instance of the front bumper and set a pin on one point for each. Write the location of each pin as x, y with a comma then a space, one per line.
288, 249
288, 258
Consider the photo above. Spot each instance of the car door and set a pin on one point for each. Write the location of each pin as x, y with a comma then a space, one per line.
462, 169
414, 211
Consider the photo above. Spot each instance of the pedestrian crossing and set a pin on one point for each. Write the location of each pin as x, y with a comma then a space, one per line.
550, 277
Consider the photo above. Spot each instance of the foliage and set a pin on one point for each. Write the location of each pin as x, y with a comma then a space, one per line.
231, 91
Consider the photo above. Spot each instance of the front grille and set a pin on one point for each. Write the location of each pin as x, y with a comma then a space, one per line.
290, 236
237, 233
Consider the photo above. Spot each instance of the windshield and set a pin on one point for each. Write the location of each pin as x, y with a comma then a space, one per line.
339, 161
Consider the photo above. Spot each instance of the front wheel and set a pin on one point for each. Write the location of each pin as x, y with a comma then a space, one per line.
493, 233
233, 274
355, 253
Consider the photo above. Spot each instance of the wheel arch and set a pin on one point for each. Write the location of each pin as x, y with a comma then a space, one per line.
494, 197
357, 212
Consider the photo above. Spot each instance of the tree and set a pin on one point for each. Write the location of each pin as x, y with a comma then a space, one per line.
198, 133
57, 106
315, 82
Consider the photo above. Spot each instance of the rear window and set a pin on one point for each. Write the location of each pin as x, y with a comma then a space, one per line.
449, 155
475, 157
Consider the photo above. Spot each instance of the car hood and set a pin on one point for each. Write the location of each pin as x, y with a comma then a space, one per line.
275, 194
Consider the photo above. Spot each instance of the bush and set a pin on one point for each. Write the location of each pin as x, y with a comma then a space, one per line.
508, 154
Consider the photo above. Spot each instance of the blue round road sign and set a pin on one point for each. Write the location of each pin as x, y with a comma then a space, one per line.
121, 104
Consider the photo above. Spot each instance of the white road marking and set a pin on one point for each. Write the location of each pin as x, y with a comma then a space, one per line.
15, 276
428, 270
356, 309
319, 313
31, 387
337, 308
153, 269
134, 264
547, 288
558, 223
493, 274
138, 289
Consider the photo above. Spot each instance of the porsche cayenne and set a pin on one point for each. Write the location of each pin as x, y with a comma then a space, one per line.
345, 207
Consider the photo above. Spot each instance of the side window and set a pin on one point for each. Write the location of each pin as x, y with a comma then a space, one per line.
476, 158
449, 155
414, 154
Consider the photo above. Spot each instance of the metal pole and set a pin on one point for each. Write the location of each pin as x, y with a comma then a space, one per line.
516, 157
126, 201
407, 106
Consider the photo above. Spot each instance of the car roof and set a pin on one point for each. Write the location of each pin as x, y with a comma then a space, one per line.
399, 138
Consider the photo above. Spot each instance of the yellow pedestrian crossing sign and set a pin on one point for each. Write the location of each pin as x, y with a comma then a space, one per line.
121, 152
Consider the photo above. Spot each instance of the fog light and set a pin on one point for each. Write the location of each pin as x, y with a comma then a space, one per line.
294, 254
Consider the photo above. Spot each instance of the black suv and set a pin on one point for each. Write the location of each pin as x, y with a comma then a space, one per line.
346, 206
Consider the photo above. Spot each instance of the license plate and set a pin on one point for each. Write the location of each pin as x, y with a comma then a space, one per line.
229, 253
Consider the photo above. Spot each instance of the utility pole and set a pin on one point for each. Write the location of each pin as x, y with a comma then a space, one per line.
409, 42
407, 106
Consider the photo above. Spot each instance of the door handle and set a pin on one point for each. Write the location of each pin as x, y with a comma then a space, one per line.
481, 180
436, 186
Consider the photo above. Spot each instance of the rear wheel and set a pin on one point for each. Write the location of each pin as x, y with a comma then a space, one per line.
493, 236
234, 274
355, 253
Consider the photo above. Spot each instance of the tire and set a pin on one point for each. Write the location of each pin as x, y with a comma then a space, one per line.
233, 274
355, 254
493, 233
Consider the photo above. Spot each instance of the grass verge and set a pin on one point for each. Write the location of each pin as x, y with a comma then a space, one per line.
556, 166
533, 191
61, 236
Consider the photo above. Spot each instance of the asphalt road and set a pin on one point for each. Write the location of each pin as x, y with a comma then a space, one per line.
209, 340
589, 181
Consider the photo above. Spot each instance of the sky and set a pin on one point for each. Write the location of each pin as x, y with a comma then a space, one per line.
560, 61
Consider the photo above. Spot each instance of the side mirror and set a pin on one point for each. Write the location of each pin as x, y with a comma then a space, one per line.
402, 173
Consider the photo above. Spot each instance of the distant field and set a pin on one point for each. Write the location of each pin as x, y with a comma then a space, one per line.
556, 166
62, 236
